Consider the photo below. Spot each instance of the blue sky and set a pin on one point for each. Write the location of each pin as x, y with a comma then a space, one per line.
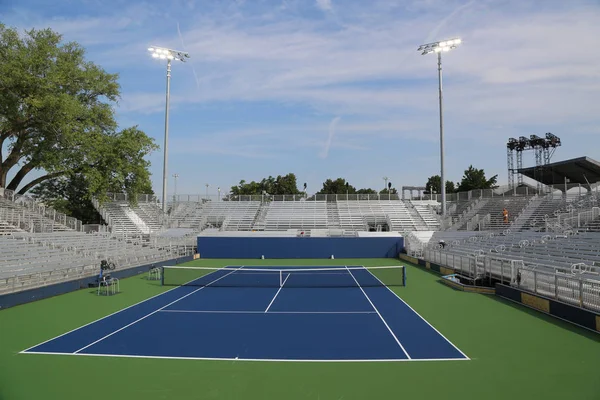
336, 88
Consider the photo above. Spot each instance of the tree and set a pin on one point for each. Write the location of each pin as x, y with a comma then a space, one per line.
57, 118
68, 195
433, 185
278, 186
475, 179
338, 186
391, 191
366, 191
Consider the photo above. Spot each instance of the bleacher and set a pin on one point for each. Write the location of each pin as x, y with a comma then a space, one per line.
229, 215
371, 214
31, 260
489, 215
15, 215
185, 214
122, 220
426, 210
283, 215
593, 225
534, 248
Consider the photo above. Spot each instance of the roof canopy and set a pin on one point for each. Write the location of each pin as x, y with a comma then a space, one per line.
576, 170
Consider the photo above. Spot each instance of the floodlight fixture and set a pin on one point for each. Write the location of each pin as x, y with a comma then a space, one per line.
438, 48
168, 54
163, 53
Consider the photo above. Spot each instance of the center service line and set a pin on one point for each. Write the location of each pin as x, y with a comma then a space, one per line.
274, 297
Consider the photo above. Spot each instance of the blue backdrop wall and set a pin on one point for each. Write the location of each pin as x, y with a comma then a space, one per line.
298, 247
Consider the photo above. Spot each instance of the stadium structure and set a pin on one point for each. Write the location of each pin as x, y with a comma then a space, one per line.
547, 245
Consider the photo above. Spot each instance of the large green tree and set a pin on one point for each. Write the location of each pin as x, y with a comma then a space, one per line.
474, 178
433, 185
286, 184
366, 191
68, 195
338, 186
57, 118
388, 191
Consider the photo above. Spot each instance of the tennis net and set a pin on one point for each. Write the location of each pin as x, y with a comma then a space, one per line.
351, 276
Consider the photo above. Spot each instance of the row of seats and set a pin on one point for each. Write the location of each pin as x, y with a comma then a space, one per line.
30, 260
283, 215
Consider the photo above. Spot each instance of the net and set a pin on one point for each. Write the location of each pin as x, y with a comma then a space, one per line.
285, 277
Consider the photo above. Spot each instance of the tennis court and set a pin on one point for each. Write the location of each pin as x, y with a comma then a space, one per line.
346, 313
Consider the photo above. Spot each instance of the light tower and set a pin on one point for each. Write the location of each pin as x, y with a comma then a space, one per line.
439, 48
169, 55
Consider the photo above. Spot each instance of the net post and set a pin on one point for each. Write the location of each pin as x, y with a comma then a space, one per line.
162, 276
280, 278
404, 275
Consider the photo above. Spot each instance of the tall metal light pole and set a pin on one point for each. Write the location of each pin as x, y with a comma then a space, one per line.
169, 55
439, 48
175, 176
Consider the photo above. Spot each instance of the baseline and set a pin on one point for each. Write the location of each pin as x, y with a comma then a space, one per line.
66, 340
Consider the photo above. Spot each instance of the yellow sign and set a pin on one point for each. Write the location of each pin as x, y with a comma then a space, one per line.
598, 323
427, 265
446, 271
535, 302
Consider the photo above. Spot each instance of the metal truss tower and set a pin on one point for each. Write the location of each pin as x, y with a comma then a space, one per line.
543, 149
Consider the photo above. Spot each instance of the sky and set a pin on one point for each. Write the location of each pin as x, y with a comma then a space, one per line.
337, 88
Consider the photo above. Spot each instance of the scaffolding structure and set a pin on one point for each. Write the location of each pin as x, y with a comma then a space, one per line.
543, 148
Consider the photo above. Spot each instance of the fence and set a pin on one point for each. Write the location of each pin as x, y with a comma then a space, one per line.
560, 285
584, 293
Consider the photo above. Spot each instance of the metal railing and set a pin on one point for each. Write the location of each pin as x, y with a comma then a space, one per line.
570, 289
547, 281
578, 220
44, 218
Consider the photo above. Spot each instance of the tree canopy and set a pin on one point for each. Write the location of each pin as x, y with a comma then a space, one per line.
474, 178
366, 191
433, 185
390, 191
68, 195
277, 186
338, 186
57, 118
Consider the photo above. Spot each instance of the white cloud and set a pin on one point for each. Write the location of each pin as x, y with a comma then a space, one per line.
525, 67
324, 5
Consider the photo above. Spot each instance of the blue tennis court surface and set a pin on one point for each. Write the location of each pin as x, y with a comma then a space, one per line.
225, 319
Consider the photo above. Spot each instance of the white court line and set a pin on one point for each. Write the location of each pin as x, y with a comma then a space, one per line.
248, 359
274, 297
153, 312
413, 310
376, 310
262, 312
109, 315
